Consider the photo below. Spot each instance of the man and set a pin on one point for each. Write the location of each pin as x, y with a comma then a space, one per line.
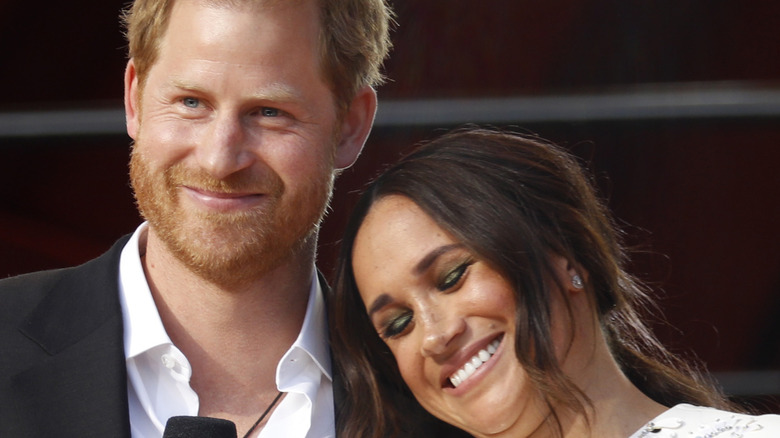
242, 113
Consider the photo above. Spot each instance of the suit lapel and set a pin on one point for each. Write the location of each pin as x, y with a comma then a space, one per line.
77, 386
338, 384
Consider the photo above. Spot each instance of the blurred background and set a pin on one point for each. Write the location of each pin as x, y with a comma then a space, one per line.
674, 106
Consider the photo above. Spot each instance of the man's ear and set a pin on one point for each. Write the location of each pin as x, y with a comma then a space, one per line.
355, 127
132, 110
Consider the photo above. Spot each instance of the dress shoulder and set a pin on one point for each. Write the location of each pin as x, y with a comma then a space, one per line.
684, 420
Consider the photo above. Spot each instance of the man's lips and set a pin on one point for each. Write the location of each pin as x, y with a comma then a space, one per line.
224, 201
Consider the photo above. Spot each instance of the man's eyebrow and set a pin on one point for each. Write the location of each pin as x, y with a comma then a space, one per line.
277, 92
184, 85
273, 92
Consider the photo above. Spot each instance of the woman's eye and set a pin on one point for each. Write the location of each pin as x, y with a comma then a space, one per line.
453, 277
190, 102
269, 112
397, 325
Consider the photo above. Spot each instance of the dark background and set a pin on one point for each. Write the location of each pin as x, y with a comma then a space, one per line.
693, 182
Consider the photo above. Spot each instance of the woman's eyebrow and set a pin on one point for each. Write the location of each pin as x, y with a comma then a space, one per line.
426, 262
381, 301
431, 257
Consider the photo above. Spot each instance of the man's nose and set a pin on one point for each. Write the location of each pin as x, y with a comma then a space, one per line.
224, 149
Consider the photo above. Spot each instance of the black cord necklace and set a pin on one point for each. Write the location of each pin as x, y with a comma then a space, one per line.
268, 409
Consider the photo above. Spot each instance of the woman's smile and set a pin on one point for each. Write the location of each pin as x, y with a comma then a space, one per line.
474, 364
446, 315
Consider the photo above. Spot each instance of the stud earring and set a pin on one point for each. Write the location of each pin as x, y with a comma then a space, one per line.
576, 281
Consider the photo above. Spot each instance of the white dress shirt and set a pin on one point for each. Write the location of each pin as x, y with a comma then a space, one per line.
158, 373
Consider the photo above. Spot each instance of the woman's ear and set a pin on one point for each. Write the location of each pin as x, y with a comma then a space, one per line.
570, 274
577, 276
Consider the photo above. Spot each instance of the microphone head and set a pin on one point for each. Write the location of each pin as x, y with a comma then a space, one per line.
199, 427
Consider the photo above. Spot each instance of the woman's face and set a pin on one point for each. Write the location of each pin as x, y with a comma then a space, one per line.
448, 318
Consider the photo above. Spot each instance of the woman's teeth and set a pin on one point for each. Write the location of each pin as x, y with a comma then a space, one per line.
474, 363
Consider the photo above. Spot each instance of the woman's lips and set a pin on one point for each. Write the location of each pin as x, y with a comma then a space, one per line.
459, 361
473, 364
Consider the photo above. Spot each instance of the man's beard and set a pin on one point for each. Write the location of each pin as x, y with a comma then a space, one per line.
231, 248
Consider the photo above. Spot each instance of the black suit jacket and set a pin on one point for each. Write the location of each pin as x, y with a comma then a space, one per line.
62, 360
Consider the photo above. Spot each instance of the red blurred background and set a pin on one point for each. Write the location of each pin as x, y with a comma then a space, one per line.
674, 104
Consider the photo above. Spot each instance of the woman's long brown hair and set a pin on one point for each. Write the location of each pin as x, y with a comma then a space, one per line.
512, 200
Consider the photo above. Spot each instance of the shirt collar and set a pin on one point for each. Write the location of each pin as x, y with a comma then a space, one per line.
144, 329
312, 344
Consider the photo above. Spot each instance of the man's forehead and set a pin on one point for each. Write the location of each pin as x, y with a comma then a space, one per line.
252, 3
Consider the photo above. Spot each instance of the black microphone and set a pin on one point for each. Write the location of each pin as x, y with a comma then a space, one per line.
199, 427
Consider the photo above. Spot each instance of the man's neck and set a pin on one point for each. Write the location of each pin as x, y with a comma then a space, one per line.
233, 337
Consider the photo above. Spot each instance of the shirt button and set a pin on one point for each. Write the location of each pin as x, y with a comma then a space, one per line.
168, 361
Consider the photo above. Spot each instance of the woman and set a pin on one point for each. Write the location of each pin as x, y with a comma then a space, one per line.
482, 276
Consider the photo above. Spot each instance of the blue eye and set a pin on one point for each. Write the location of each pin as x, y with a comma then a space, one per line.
190, 102
269, 112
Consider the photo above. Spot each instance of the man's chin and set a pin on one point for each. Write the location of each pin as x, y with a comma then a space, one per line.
229, 254
225, 264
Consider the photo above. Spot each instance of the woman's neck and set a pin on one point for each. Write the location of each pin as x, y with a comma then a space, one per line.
617, 407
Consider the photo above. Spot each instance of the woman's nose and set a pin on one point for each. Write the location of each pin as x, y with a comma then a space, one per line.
440, 330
